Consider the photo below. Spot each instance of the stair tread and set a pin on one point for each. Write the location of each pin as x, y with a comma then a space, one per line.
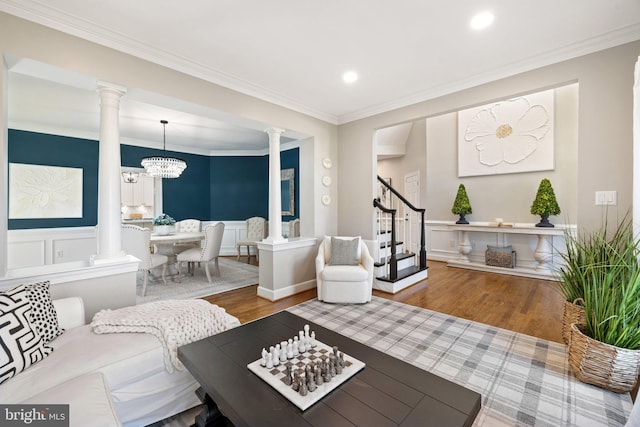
388, 244
404, 273
400, 256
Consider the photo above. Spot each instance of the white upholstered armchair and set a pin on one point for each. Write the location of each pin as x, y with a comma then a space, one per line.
344, 270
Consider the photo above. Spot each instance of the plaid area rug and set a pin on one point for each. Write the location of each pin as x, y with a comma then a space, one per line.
233, 275
524, 381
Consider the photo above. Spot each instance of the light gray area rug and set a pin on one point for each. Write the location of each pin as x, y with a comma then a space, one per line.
523, 380
233, 275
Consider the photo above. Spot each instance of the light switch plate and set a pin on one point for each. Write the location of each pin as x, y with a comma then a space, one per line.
606, 198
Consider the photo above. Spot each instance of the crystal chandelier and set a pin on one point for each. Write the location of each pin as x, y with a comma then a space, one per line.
163, 166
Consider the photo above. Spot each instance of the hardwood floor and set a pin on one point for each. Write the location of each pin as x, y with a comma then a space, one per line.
530, 306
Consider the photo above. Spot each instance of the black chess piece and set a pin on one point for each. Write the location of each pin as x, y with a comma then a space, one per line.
318, 376
303, 387
287, 378
332, 366
295, 385
311, 383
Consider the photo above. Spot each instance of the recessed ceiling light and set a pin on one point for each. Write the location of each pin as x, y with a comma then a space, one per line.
350, 76
481, 20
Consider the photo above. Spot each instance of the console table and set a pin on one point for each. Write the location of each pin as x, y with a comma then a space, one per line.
543, 253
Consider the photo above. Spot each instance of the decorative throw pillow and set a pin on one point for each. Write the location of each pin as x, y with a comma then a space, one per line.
43, 314
344, 251
22, 346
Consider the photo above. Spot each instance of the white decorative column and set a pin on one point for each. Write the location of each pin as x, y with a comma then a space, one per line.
275, 196
109, 219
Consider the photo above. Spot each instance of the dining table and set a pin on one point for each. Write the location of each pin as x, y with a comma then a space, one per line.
165, 243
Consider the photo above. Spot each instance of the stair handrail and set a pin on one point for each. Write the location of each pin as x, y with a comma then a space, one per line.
400, 196
423, 250
393, 260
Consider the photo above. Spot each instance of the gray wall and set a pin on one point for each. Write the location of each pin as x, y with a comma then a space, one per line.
604, 152
507, 196
415, 159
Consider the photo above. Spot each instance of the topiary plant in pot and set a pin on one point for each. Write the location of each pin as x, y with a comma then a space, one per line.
545, 203
461, 205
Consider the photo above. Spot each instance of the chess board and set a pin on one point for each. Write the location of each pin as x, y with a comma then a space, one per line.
275, 376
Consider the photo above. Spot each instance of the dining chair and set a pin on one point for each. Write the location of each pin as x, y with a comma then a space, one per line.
256, 232
187, 226
294, 228
209, 251
136, 241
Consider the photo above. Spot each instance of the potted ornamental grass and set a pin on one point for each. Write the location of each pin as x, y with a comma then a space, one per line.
586, 254
461, 205
545, 203
602, 269
163, 224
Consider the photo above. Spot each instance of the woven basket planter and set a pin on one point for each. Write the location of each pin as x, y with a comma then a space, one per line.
572, 313
603, 365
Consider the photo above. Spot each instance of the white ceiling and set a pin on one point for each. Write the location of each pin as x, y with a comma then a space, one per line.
294, 52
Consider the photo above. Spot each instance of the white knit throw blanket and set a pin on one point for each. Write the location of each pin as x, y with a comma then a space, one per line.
173, 322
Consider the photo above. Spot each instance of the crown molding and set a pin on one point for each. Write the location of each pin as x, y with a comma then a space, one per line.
48, 16
609, 40
41, 13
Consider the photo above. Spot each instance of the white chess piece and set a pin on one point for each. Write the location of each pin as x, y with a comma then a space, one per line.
283, 351
269, 360
296, 347
302, 346
313, 339
275, 355
306, 332
290, 349
263, 361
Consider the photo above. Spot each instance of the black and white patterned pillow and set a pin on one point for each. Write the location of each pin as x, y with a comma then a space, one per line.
43, 314
22, 345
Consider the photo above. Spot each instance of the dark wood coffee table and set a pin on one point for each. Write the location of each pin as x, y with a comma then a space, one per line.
387, 392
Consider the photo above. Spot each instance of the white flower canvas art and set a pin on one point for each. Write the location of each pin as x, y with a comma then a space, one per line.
509, 136
37, 191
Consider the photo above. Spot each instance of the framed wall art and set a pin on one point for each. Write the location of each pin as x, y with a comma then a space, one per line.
511, 136
37, 191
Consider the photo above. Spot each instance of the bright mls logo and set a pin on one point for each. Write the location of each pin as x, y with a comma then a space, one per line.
34, 415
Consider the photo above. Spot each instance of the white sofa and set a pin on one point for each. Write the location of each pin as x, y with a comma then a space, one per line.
108, 379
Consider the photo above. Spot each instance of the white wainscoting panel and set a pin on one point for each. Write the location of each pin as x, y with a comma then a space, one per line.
46, 246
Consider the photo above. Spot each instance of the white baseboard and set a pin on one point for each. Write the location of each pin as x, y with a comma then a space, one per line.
272, 295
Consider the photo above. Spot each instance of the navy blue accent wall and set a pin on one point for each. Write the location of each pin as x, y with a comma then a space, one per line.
239, 187
185, 197
220, 188
51, 150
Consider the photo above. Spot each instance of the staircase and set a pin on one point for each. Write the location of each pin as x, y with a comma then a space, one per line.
396, 267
